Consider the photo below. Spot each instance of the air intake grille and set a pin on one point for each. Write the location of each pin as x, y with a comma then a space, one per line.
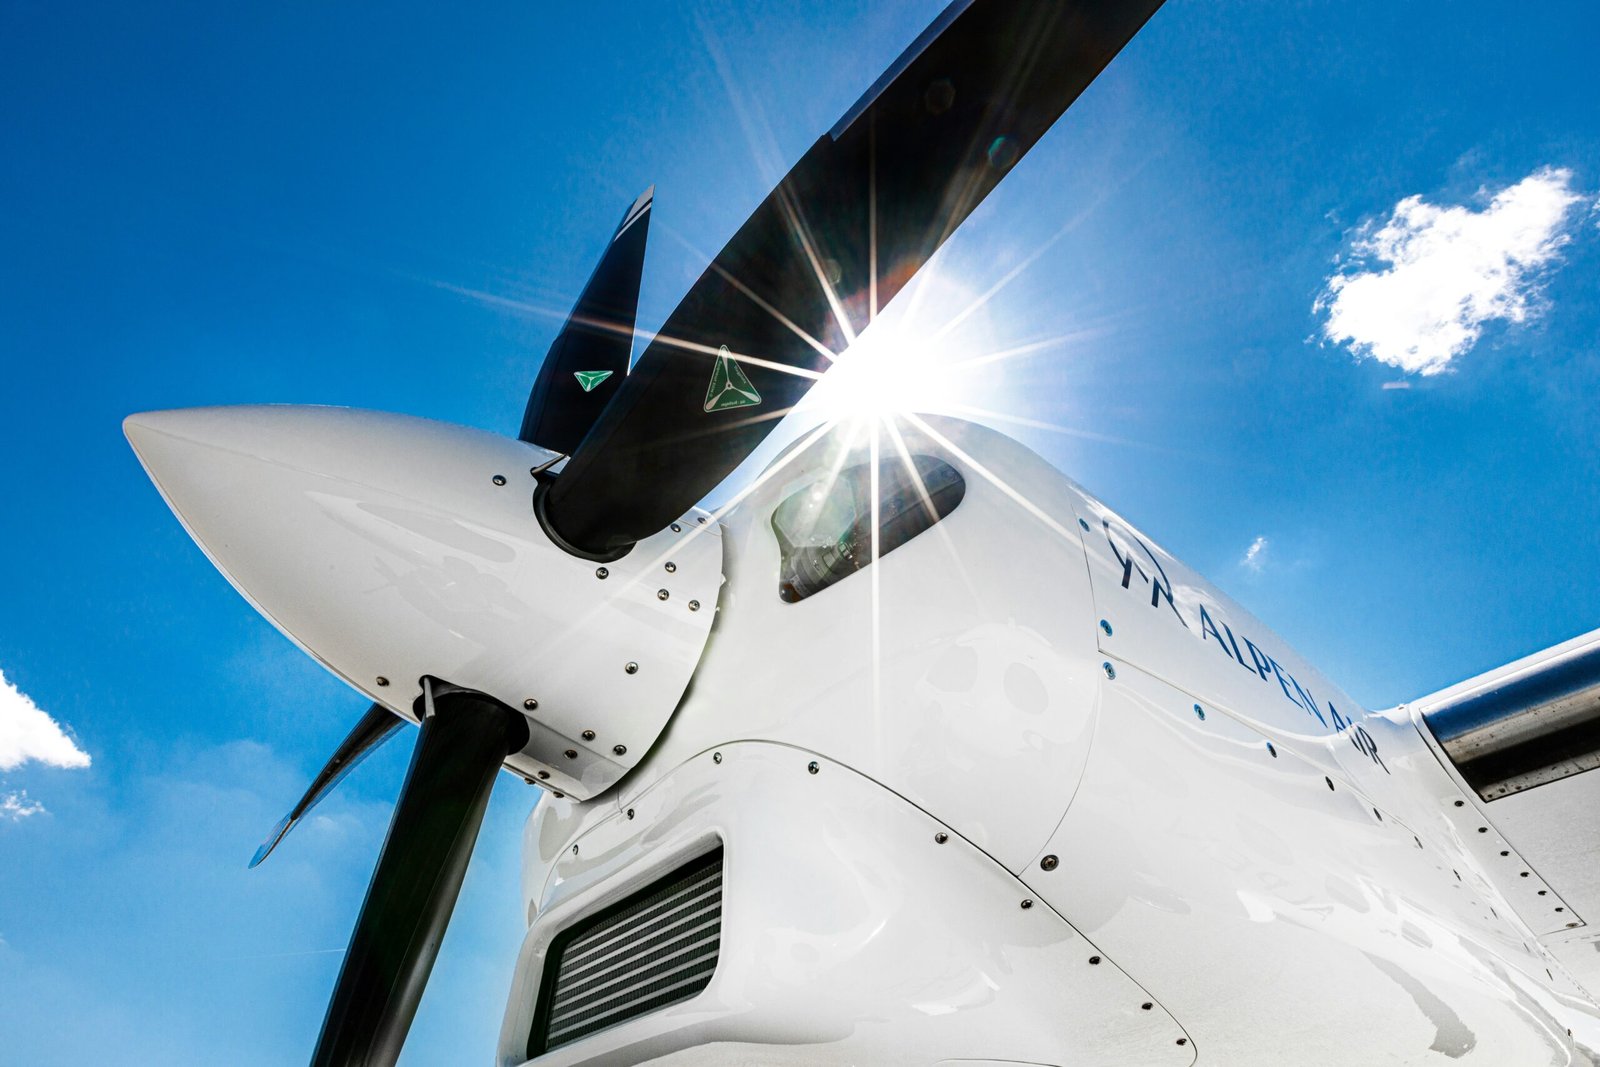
655, 948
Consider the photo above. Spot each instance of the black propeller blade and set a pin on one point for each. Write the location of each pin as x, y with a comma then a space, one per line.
375, 727
841, 235
589, 357
463, 740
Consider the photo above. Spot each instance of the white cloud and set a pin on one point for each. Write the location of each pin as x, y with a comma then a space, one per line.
1255, 557
27, 733
1427, 281
16, 807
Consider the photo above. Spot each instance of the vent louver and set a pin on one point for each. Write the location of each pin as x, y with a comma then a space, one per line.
653, 949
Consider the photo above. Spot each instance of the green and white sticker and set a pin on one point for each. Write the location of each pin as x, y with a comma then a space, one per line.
590, 378
730, 387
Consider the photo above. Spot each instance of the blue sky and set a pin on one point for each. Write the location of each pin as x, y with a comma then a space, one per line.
295, 202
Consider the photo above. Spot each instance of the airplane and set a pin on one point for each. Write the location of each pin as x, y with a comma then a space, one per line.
1068, 803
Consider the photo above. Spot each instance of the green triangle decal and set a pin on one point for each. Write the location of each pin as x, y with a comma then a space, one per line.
729, 388
590, 378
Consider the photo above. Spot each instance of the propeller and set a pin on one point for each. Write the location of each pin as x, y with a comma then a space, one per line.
464, 738
589, 357
839, 237
375, 727
844, 231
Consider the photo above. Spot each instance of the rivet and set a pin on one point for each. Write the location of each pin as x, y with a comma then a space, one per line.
499, 479
1483, 829
1200, 713
558, 795
1329, 781
1085, 525
1183, 1041
1542, 892
1377, 814
812, 767
662, 594
671, 568
716, 757
571, 753
1524, 874
620, 750
574, 850
1106, 626
1272, 750
531, 704
1461, 803
528, 780
601, 572
1049, 863
630, 813
1094, 961
701, 520
543, 775
588, 735
1571, 925
631, 667
940, 838
382, 681
1503, 852
1026, 904
694, 605
1111, 672
1146, 1006
1561, 909
676, 528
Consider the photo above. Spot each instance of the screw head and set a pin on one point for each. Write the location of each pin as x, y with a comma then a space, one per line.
1146, 1006
531, 704
1094, 961
499, 479
1183, 1041
382, 681
694, 605
812, 767
601, 572
676, 528
1200, 713
1085, 525
1272, 750
574, 850
543, 775
1106, 626
940, 838
1461, 803
558, 794
701, 520
1329, 781
662, 594
1049, 863
621, 750
630, 813
671, 568
1026, 904
631, 667
588, 735
571, 753
1111, 672
716, 757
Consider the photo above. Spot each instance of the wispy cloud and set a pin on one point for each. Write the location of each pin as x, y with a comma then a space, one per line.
1255, 557
28, 733
14, 807
1419, 290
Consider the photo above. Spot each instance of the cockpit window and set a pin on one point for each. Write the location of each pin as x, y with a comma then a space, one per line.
825, 530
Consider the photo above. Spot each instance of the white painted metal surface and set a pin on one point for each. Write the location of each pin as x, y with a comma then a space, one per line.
1291, 887
393, 547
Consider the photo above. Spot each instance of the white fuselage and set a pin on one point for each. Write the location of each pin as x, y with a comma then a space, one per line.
1070, 805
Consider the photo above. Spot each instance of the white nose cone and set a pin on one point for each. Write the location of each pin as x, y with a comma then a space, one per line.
390, 548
